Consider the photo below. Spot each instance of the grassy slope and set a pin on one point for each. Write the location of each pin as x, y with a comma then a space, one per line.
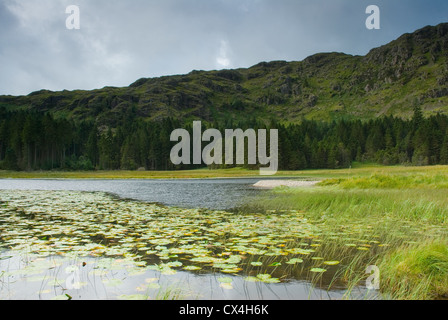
390, 80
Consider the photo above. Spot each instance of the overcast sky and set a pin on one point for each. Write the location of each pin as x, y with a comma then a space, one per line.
120, 41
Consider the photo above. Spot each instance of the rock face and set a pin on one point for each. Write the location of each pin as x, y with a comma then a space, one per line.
395, 77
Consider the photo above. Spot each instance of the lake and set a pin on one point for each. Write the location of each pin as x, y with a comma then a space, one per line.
217, 194
115, 241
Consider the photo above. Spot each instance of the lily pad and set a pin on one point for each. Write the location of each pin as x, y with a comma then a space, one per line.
113, 282
225, 280
203, 259
267, 278
233, 270
251, 279
192, 268
153, 286
174, 264
318, 270
224, 266
168, 271
263, 276
294, 261
331, 263
227, 286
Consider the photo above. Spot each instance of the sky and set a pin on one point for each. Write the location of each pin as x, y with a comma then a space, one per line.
121, 41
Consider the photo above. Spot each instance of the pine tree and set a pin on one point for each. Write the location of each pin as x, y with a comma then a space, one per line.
444, 151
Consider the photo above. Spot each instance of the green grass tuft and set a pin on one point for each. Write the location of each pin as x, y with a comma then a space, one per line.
416, 272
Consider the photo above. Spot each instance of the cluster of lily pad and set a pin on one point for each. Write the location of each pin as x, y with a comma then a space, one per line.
269, 248
99, 225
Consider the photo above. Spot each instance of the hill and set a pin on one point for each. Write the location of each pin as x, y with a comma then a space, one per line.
390, 80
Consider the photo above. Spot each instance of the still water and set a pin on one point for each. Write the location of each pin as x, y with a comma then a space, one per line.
218, 194
27, 276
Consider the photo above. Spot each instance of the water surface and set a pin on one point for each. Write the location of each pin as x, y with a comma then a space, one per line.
217, 194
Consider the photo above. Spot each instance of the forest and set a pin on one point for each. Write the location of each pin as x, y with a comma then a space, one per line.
32, 140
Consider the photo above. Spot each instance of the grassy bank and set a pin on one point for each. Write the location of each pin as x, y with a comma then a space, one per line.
358, 170
404, 209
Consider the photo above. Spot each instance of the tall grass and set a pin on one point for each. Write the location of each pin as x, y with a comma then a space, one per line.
407, 211
416, 272
388, 181
339, 204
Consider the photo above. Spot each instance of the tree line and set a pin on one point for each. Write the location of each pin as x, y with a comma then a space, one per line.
31, 140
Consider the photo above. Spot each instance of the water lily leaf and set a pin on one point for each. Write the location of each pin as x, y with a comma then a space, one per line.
251, 279
331, 263
168, 271
256, 263
224, 266
153, 286
227, 286
294, 261
234, 270
225, 280
136, 272
174, 264
141, 288
192, 268
263, 276
318, 270
112, 282
234, 259
203, 259
301, 251
272, 280
153, 267
267, 278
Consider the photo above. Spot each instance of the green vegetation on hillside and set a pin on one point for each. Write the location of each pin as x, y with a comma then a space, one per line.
391, 80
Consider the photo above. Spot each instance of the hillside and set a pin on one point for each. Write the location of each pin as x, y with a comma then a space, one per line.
390, 80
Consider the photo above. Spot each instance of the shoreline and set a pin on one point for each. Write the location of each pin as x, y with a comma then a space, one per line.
270, 184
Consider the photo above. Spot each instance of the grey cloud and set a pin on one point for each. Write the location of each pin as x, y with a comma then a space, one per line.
121, 41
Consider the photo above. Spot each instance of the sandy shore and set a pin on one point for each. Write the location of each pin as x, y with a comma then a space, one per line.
286, 183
